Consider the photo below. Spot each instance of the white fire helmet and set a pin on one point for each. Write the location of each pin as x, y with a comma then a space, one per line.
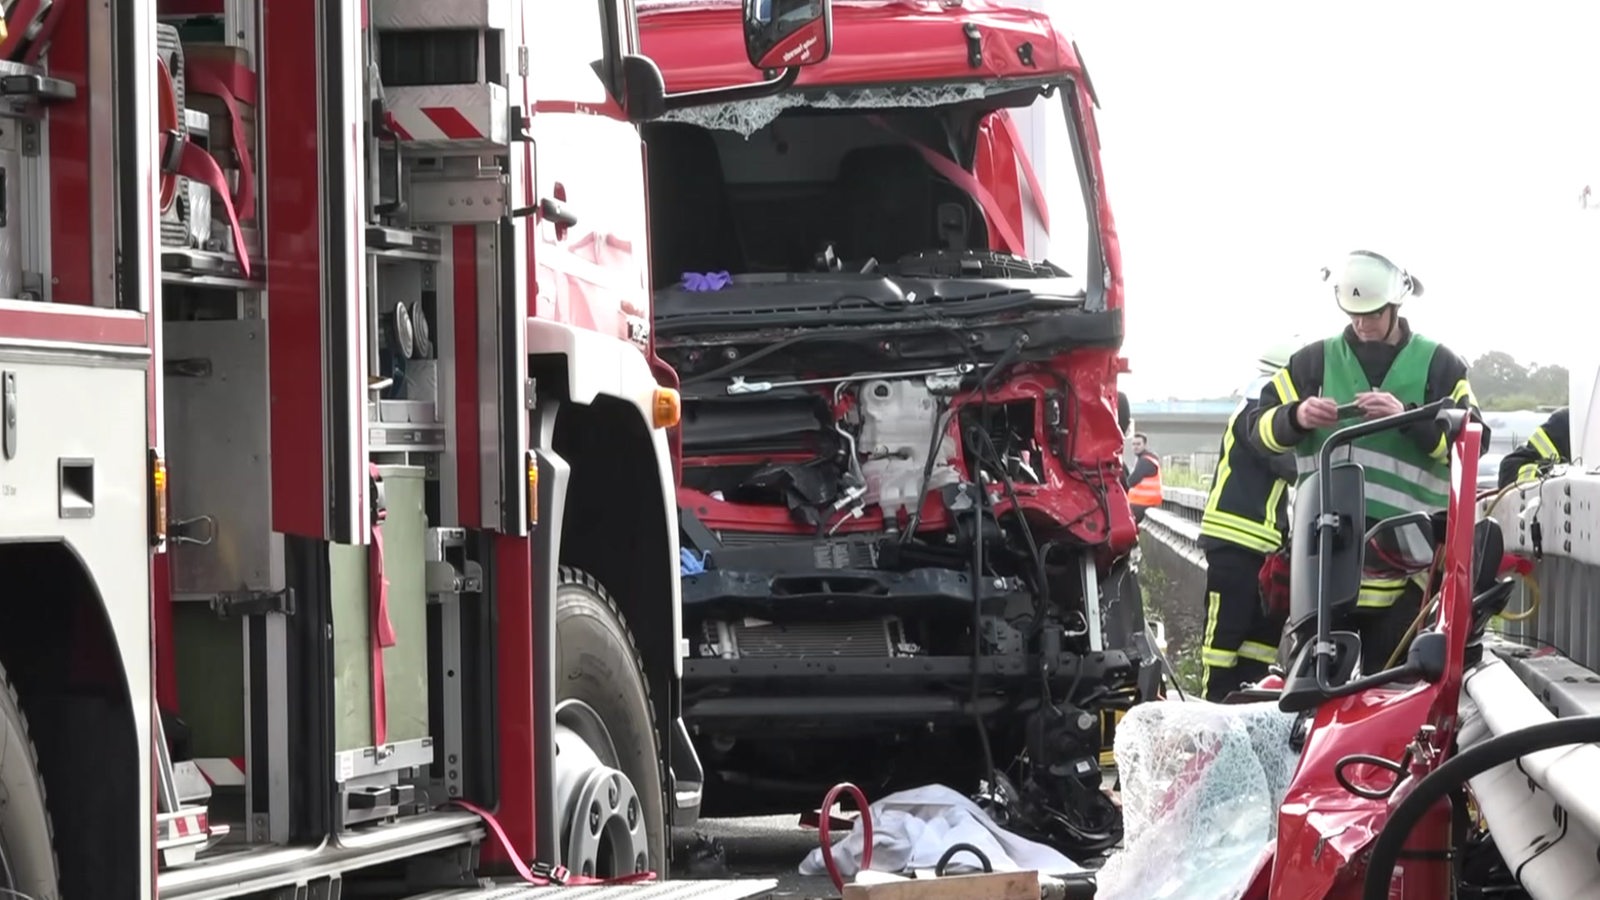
1367, 282
1276, 356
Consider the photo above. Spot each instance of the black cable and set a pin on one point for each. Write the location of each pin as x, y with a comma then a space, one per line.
743, 361
977, 641
944, 859
940, 426
1455, 773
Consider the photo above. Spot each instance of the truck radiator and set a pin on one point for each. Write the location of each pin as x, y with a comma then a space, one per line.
754, 639
783, 552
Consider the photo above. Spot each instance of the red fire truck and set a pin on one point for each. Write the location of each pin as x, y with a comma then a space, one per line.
330, 325
893, 295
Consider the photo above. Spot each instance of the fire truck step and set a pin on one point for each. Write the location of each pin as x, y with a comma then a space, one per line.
742, 889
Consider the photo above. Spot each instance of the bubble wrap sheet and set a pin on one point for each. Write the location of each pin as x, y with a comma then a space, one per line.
1201, 785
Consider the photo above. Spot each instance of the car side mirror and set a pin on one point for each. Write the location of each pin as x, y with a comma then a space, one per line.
1426, 658
644, 91
1454, 420
1400, 547
1349, 507
787, 34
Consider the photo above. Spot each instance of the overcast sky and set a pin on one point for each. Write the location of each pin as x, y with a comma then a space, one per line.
1248, 143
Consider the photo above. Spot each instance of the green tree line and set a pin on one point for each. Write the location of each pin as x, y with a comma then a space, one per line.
1502, 384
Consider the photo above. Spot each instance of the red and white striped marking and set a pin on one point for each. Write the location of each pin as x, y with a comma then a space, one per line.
449, 114
185, 826
222, 771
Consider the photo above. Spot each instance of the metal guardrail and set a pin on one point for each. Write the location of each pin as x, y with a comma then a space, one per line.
1186, 502
1177, 523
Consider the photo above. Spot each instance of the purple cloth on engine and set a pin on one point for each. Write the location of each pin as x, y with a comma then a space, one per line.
706, 281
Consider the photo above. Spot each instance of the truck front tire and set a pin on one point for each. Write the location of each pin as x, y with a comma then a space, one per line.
27, 858
600, 678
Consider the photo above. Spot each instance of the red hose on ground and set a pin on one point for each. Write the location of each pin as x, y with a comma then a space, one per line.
544, 874
828, 801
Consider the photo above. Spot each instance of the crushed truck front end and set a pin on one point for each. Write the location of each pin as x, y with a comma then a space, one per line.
900, 453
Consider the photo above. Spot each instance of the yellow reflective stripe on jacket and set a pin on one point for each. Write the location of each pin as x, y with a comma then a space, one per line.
1285, 386
1273, 497
1383, 592
1259, 652
1542, 443
1239, 530
1209, 658
1265, 430
1461, 393
1528, 472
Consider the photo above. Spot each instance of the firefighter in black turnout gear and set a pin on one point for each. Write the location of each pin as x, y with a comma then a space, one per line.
1246, 514
1550, 445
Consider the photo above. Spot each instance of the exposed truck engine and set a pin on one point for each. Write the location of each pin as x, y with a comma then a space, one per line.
905, 534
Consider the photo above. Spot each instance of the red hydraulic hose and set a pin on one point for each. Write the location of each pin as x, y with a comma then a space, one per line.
828, 801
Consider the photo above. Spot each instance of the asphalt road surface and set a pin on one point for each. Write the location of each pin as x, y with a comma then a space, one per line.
766, 847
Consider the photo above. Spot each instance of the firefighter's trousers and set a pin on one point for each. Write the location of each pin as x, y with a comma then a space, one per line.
1240, 640
1385, 612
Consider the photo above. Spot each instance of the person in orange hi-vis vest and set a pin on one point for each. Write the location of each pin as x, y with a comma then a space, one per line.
1143, 481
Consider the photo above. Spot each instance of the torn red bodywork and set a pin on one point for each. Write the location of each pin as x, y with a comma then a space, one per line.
1070, 499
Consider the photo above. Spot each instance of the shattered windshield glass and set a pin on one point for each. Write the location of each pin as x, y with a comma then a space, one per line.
1049, 157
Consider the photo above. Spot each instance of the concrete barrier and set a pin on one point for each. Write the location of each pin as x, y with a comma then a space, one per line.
1172, 576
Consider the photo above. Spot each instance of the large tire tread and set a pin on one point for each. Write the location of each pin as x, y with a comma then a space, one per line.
569, 577
26, 828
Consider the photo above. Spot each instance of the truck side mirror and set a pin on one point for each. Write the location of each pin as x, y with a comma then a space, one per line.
1124, 413
644, 91
787, 34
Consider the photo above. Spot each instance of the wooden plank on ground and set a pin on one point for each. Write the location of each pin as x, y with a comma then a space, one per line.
996, 886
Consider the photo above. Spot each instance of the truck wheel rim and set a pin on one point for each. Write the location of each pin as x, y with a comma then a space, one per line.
602, 818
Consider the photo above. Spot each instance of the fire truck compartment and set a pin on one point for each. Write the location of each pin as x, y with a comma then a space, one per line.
405, 665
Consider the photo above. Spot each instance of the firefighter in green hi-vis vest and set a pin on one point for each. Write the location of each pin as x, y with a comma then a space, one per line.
1379, 364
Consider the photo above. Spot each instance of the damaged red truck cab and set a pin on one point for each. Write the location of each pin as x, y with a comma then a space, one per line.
892, 294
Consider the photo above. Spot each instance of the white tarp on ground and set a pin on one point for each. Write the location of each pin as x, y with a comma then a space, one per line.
912, 829
1201, 786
